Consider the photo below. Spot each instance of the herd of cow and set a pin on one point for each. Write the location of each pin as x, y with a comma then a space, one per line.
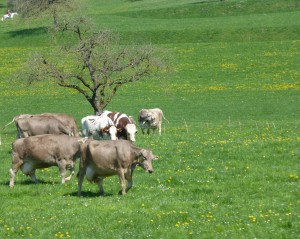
49, 139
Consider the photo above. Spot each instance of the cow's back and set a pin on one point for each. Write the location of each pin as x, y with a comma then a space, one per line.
67, 120
110, 154
39, 125
46, 146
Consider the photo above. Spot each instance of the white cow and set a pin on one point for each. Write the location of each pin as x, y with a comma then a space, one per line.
151, 119
97, 127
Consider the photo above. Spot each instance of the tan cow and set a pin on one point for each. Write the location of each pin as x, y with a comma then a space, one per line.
67, 120
151, 119
39, 125
43, 151
101, 159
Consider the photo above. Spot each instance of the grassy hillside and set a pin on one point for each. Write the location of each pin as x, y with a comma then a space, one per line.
229, 158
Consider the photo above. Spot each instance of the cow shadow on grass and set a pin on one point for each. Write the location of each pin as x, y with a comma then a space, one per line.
29, 182
89, 194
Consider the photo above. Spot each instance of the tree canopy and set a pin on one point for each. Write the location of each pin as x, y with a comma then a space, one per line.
36, 8
93, 63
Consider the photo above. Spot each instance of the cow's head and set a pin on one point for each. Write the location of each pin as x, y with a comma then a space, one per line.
145, 160
131, 131
111, 130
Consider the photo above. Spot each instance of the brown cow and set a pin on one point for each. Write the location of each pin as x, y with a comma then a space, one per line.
68, 120
39, 125
43, 151
101, 159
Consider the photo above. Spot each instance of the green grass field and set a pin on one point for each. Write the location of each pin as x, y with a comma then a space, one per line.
229, 158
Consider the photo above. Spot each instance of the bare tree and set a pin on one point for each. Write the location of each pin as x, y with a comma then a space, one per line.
35, 8
93, 64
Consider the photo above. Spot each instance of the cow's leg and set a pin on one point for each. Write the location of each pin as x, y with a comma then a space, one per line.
13, 170
122, 182
71, 175
80, 181
15, 166
62, 169
159, 129
148, 131
142, 128
33, 177
72, 171
129, 180
100, 185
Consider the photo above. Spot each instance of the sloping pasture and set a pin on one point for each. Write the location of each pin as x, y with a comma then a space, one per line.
229, 158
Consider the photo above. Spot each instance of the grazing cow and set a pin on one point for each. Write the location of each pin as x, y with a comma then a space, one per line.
67, 120
39, 125
126, 128
101, 159
151, 119
98, 126
43, 151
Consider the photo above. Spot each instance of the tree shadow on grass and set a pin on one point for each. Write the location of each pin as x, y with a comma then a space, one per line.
29, 32
2, 6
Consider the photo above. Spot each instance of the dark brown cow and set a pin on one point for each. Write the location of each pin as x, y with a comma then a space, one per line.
39, 125
101, 159
43, 151
126, 128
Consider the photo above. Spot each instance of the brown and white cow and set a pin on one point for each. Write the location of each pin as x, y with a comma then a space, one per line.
39, 125
101, 159
43, 151
126, 128
151, 119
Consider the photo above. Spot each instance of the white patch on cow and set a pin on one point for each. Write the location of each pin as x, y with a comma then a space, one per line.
116, 116
131, 131
113, 132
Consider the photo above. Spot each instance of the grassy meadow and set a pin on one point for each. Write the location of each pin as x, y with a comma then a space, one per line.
229, 156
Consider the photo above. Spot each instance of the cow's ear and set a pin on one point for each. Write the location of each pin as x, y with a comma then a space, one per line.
105, 130
155, 157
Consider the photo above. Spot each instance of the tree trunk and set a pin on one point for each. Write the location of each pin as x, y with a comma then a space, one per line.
55, 20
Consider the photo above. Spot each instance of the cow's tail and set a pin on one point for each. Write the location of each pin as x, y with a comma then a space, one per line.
8, 123
165, 118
